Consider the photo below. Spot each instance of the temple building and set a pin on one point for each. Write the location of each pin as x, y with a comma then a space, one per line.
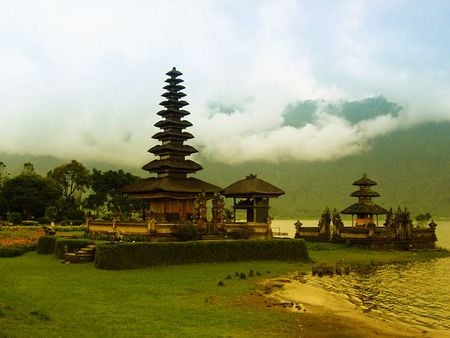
365, 209
171, 194
172, 198
397, 232
252, 195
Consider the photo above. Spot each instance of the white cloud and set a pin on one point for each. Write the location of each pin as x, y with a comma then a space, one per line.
83, 80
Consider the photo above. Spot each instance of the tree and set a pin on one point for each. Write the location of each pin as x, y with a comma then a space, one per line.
30, 194
3, 173
73, 179
3, 177
325, 222
336, 219
28, 168
423, 219
107, 187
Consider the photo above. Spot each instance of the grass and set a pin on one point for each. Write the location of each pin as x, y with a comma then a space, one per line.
41, 297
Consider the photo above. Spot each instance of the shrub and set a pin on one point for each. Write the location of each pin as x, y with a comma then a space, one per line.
11, 251
186, 232
71, 244
139, 255
46, 245
14, 217
14, 251
243, 232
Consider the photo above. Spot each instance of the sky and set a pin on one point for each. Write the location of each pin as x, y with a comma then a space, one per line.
83, 79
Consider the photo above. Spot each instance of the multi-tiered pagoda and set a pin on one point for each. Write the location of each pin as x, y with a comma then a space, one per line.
170, 196
365, 209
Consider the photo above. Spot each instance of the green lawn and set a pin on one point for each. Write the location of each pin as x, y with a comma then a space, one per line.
40, 297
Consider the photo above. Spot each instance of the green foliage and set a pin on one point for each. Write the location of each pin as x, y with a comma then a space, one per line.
107, 187
72, 179
422, 219
30, 194
139, 255
11, 251
46, 245
186, 232
14, 217
71, 244
242, 232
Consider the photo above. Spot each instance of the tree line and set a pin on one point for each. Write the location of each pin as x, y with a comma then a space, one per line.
68, 192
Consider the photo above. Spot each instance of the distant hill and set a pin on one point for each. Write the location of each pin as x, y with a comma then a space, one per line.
411, 166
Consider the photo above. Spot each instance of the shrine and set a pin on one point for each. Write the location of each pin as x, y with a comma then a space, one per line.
365, 209
397, 231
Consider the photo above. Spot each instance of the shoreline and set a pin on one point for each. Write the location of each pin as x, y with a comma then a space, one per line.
326, 314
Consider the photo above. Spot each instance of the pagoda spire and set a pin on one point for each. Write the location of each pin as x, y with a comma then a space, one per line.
172, 151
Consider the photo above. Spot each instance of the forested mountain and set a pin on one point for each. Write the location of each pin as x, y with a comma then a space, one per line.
411, 166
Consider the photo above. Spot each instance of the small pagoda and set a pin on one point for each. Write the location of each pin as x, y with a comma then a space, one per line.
365, 209
252, 195
171, 194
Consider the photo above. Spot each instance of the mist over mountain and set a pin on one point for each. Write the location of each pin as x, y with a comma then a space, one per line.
410, 164
300, 113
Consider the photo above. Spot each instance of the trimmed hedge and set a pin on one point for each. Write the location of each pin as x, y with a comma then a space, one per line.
72, 245
139, 255
14, 251
46, 245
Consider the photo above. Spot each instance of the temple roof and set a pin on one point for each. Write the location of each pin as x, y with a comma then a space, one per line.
172, 134
172, 165
189, 185
364, 208
166, 124
365, 193
252, 186
365, 181
171, 150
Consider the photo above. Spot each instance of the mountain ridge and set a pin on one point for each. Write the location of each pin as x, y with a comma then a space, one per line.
411, 166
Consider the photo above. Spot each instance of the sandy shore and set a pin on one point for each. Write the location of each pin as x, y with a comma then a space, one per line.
325, 314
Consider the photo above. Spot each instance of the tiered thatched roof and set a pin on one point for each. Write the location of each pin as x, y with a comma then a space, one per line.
171, 166
252, 186
365, 194
172, 150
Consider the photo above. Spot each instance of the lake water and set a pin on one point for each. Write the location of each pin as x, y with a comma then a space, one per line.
414, 293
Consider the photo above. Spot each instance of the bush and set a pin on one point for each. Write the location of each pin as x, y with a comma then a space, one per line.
243, 232
11, 251
46, 245
71, 244
14, 251
139, 255
186, 232
14, 217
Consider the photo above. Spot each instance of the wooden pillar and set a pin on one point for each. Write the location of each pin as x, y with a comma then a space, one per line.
234, 209
254, 210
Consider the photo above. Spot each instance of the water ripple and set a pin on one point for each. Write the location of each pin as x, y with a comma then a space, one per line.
415, 293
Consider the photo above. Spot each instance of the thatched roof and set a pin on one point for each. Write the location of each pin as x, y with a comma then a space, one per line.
169, 165
365, 181
364, 208
188, 185
252, 186
365, 193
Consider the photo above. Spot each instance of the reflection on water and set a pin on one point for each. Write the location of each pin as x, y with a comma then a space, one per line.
414, 293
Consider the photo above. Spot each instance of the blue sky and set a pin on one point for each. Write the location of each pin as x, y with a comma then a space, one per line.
83, 79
